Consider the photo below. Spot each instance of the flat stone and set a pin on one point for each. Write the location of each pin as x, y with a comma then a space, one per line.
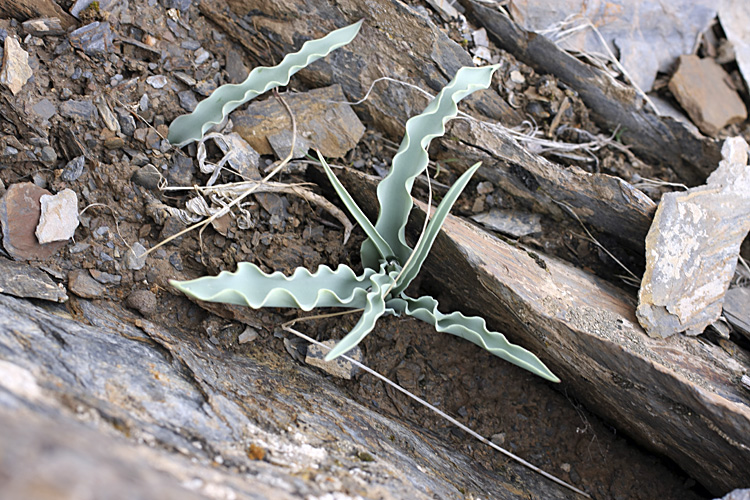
74, 169
83, 285
44, 109
43, 26
105, 278
20, 210
59, 217
16, 70
22, 280
692, 248
93, 39
48, 155
510, 222
83, 110
339, 367
334, 129
699, 85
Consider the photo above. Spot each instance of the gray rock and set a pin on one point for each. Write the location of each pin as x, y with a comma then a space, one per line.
93, 39
188, 100
109, 407
127, 122
43, 26
59, 218
74, 169
22, 280
339, 367
143, 301
79, 110
510, 222
157, 81
105, 278
692, 248
48, 155
181, 5
181, 171
81, 5
743, 494
44, 109
147, 176
16, 70
247, 336
135, 257
236, 69
83, 285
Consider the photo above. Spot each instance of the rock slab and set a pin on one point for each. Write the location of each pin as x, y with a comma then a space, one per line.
322, 120
20, 210
16, 70
22, 280
59, 217
700, 86
692, 248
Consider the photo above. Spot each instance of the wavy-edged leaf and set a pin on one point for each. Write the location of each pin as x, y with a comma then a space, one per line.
225, 99
394, 192
415, 261
382, 247
375, 308
473, 329
249, 286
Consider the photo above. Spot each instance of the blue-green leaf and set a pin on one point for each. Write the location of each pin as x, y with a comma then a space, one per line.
473, 329
249, 286
394, 192
382, 247
225, 99
375, 308
415, 261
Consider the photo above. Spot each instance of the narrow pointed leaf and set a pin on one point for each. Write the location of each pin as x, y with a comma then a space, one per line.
227, 98
382, 247
374, 309
473, 329
394, 192
249, 286
415, 261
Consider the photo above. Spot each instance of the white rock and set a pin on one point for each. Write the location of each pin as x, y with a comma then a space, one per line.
157, 81
692, 248
517, 77
16, 70
201, 56
480, 38
59, 218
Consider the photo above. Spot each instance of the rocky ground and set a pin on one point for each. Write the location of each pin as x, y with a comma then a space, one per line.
90, 125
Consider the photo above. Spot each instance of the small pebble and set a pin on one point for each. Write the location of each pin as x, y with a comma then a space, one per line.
73, 169
201, 56
248, 335
157, 81
135, 257
143, 301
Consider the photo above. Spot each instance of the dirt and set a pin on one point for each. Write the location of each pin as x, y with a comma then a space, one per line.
546, 427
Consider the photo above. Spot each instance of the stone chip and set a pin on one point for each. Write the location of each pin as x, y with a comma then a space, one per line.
59, 217
16, 70
692, 248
